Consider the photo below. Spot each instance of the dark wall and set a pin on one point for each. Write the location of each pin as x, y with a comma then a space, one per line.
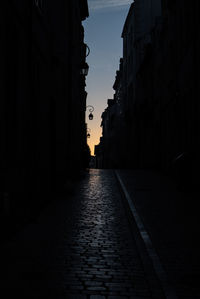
42, 105
161, 120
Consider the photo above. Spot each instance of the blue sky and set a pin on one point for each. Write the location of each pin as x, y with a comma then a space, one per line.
103, 31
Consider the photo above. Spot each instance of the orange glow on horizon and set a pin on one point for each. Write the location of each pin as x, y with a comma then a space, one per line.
94, 136
95, 124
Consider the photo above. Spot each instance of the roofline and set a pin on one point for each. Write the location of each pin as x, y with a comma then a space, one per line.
127, 19
84, 9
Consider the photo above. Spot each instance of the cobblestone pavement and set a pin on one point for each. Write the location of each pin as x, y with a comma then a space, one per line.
81, 247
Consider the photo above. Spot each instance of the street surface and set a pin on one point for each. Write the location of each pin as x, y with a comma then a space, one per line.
84, 246
80, 247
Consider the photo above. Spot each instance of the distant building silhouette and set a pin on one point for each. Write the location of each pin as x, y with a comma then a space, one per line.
159, 89
43, 97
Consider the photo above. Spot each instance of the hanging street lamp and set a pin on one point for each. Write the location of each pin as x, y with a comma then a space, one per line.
91, 109
84, 69
88, 50
88, 132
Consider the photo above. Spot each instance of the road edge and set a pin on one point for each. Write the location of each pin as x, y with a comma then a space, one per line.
146, 249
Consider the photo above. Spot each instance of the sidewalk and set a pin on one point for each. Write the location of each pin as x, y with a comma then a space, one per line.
171, 218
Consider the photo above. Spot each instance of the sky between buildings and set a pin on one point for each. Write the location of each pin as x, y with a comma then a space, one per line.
103, 31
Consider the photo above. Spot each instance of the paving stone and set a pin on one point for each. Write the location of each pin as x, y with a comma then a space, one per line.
75, 287
103, 277
96, 288
76, 296
97, 297
93, 283
87, 241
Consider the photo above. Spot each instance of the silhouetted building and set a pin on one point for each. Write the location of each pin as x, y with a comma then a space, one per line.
140, 21
111, 151
43, 98
99, 154
137, 39
176, 87
160, 85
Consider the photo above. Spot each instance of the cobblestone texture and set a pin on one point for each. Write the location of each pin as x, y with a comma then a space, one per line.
81, 248
102, 257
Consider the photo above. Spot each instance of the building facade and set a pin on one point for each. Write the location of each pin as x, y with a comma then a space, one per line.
43, 97
141, 19
160, 86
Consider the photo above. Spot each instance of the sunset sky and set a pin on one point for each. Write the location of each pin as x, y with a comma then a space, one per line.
103, 31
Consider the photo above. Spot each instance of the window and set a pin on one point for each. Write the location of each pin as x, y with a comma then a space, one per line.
40, 5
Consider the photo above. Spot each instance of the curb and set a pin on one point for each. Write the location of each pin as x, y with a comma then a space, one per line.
147, 251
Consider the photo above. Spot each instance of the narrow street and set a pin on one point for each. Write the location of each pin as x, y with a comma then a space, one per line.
99, 151
82, 247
